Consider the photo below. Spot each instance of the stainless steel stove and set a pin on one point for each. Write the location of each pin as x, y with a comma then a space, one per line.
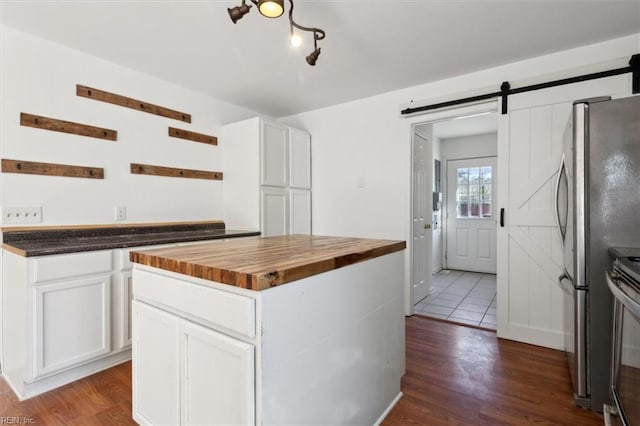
624, 282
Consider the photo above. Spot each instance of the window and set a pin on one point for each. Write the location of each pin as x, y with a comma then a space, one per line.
473, 193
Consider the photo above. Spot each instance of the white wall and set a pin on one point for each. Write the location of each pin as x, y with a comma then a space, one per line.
40, 77
470, 147
370, 138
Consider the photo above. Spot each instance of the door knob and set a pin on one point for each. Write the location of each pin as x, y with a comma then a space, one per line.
427, 226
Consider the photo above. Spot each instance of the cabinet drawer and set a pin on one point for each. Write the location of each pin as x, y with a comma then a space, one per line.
227, 310
48, 268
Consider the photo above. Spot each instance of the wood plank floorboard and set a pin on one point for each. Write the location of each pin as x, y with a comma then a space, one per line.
455, 375
458, 375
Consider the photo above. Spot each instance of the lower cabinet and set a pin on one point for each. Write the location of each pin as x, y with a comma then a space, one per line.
72, 322
186, 373
156, 397
124, 295
58, 319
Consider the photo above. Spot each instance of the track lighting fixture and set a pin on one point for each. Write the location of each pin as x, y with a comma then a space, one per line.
274, 9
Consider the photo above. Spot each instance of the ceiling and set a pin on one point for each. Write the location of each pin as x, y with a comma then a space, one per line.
465, 126
371, 47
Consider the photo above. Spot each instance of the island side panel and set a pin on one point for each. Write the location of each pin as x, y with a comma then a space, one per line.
333, 345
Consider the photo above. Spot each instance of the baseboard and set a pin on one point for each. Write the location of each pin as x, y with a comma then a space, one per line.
386, 412
52, 382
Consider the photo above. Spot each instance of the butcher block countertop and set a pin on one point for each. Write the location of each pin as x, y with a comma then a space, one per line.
262, 263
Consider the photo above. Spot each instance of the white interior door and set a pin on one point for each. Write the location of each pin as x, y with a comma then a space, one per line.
471, 215
530, 139
422, 232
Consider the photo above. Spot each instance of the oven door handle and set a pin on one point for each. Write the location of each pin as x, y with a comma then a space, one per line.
619, 294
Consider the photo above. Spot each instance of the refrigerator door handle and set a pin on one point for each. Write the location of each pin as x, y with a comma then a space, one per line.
565, 282
561, 170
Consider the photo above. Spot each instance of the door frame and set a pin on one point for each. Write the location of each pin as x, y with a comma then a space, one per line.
409, 128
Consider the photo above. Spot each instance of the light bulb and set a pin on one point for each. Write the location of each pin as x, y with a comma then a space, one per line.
271, 9
295, 40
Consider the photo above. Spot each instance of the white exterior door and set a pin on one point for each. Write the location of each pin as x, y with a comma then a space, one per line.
422, 233
471, 215
530, 138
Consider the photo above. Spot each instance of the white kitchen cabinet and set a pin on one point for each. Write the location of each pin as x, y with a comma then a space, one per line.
299, 159
72, 322
274, 218
263, 161
211, 357
299, 211
207, 376
124, 289
57, 319
156, 396
274, 155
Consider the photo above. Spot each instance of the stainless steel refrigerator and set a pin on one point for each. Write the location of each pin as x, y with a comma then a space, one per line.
597, 206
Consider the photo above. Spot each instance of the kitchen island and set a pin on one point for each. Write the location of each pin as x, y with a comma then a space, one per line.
279, 330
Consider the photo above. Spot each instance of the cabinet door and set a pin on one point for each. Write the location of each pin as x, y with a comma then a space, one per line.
273, 155
299, 159
273, 204
72, 322
300, 211
124, 295
217, 378
156, 391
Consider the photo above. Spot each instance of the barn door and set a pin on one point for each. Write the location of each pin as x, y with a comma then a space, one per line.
530, 255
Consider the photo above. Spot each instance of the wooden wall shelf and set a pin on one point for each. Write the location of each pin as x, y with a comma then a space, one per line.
50, 169
112, 98
192, 136
148, 169
56, 125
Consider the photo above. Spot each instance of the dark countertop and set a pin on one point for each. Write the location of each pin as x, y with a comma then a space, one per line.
41, 241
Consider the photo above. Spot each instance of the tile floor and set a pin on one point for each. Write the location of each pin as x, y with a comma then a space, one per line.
462, 297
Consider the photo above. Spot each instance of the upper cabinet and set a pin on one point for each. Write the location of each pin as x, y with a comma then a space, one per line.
267, 177
274, 155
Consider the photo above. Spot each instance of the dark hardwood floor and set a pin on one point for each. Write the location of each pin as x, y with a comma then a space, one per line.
455, 375
101, 399
459, 375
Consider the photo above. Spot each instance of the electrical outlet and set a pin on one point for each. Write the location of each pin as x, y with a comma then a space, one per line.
121, 213
15, 215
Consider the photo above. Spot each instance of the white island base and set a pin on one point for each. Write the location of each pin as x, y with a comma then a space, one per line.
328, 349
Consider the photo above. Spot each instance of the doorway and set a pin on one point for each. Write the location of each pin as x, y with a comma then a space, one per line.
460, 254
